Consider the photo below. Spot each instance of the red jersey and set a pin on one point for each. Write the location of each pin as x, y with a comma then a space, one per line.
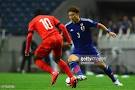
44, 25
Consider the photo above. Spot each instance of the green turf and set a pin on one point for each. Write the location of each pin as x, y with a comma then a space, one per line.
42, 82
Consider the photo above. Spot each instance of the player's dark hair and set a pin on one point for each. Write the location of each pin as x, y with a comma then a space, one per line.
39, 12
73, 9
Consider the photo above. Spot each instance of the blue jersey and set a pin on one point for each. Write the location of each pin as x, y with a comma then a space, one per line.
81, 36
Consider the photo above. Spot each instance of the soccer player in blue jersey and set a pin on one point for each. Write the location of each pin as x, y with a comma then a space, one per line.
79, 29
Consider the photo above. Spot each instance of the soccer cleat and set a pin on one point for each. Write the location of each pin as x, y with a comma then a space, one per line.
54, 76
81, 77
73, 81
117, 83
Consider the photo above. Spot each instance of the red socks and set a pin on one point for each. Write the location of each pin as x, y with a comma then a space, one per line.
44, 66
65, 68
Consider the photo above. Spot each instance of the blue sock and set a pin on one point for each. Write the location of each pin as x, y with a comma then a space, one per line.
109, 72
75, 68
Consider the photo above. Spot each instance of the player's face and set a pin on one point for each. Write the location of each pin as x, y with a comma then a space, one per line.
73, 16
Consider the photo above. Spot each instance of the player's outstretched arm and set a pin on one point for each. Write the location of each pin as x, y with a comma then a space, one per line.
63, 29
28, 43
65, 33
101, 26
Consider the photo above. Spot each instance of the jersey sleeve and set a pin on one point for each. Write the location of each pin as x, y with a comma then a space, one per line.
31, 27
67, 27
92, 23
56, 21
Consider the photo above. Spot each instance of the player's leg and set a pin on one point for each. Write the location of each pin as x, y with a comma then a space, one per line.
24, 59
57, 53
106, 69
65, 68
42, 64
29, 63
74, 65
43, 51
45, 67
108, 72
100, 63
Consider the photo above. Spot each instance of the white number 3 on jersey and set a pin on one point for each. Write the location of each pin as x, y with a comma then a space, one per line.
78, 34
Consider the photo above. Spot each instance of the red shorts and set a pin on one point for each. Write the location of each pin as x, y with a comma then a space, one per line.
53, 43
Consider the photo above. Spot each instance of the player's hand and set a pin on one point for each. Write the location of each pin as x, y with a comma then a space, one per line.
112, 34
68, 45
27, 53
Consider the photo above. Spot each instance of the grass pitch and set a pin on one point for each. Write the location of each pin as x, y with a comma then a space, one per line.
41, 81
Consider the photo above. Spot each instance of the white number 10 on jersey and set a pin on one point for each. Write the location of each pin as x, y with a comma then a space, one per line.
46, 23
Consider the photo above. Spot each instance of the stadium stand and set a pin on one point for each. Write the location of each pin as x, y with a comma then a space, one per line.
15, 14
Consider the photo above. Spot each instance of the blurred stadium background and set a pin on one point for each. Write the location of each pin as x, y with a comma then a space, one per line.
118, 15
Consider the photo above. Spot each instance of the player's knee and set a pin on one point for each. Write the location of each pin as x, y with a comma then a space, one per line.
101, 65
73, 58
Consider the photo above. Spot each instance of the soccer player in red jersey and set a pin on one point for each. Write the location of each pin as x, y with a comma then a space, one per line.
46, 27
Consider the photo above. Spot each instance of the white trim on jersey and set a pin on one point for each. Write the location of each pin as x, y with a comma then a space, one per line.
85, 19
68, 23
